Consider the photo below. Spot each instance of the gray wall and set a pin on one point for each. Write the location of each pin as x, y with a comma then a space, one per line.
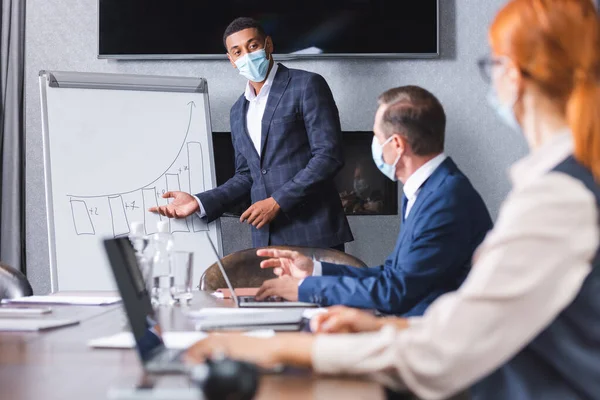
61, 35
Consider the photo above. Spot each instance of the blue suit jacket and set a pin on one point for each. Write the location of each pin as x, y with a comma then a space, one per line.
301, 153
432, 255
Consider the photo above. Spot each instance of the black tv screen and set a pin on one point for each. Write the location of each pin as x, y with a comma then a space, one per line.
299, 28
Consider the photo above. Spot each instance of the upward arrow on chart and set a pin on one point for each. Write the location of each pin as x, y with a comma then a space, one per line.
192, 105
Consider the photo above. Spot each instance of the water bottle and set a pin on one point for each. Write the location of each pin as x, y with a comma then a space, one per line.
141, 244
162, 242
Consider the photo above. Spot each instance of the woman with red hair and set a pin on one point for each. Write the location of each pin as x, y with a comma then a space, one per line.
526, 322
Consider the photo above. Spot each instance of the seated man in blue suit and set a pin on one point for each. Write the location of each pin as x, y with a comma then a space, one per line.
287, 139
443, 221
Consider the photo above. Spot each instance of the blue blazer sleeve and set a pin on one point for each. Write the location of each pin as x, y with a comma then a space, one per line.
435, 248
216, 201
330, 269
322, 123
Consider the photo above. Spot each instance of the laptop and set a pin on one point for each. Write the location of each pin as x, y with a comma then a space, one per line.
146, 330
251, 301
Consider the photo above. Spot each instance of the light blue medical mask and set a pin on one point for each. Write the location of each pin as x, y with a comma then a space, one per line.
377, 152
253, 66
506, 112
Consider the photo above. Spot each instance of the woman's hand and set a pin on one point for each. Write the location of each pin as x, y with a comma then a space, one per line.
341, 319
288, 349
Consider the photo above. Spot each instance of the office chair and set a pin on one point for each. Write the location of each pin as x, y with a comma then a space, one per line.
13, 283
243, 267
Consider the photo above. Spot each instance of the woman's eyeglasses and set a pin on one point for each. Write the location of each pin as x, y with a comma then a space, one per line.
486, 67
487, 64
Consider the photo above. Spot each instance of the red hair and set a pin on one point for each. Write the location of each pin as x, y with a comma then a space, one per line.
557, 44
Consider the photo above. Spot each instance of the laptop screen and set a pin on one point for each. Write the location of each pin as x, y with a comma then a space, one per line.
130, 282
220, 264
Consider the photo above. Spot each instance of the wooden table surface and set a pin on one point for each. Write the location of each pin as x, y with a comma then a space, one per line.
58, 364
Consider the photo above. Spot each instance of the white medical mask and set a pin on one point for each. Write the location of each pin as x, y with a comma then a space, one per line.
506, 112
377, 152
253, 66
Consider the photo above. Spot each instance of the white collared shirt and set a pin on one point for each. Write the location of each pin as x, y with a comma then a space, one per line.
413, 184
528, 269
256, 108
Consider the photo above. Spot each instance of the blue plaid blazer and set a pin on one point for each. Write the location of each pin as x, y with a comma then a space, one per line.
301, 153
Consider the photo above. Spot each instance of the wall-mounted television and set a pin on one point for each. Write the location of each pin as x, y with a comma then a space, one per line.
188, 29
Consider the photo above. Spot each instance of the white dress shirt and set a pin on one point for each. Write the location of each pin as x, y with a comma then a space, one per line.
528, 269
256, 110
411, 190
413, 184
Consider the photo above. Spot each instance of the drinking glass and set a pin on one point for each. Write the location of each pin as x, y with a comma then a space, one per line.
181, 271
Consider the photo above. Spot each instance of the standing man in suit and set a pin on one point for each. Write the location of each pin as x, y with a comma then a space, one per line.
443, 221
287, 138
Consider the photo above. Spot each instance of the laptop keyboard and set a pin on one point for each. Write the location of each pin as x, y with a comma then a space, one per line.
270, 299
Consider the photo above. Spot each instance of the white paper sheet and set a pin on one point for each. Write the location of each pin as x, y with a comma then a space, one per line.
173, 340
311, 312
23, 311
33, 324
124, 340
208, 312
74, 300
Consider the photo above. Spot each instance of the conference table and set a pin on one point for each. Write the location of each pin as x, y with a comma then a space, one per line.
59, 364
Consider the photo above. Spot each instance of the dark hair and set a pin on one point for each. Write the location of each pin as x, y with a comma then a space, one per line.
241, 23
417, 115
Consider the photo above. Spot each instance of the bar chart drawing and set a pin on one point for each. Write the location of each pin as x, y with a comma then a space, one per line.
119, 221
199, 224
179, 224
149, 199
113, 212
81, 218
196, 167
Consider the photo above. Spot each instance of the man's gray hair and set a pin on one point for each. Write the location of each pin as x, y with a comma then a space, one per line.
417, 115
